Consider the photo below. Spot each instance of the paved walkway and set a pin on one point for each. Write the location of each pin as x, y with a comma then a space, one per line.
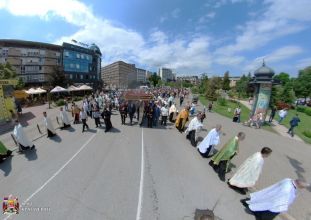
280, 129
32, 118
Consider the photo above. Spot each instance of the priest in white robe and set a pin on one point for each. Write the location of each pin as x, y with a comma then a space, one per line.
64, 119
269, 202
49, 126
195, 126
172, 112
248, 173
20, 136
210, 141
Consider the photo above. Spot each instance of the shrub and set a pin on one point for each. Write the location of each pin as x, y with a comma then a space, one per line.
60, 102
307, 111
282, 105
300, 109
77, 98
307, 133
222, 101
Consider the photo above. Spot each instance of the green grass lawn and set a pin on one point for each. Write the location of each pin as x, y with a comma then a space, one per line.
223, 110
305, 124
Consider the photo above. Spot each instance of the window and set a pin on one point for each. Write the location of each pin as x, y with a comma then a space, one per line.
82, 56
70, 76
81, 76
40, 67
78, 55
78, 66
71, 65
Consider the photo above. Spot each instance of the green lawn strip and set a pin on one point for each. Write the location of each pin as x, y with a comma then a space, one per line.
305, 124
223, 110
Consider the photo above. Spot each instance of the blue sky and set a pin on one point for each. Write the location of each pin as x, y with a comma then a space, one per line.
210, 36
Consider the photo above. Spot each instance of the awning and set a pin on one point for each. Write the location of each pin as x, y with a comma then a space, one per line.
58, 89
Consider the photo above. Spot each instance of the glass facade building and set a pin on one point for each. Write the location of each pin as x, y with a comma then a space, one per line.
82, 65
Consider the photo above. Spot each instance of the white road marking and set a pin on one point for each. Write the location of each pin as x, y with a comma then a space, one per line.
141, 183
55, 174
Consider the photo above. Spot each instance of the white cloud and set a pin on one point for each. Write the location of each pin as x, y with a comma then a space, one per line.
205, 18
275, 57
176, 12
273, 24
229, 60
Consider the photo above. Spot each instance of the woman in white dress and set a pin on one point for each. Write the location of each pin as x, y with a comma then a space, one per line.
248, 173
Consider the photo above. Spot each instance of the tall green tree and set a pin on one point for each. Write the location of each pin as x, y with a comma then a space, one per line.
242, 86
284, 78
154, 79
302, 85
226, 82
203, 84
213, 85
57, 77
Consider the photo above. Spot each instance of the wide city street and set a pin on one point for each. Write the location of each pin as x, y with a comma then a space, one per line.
143, 173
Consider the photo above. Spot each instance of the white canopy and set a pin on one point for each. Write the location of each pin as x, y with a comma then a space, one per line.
85, 87
32, 91
58, 89
72, 88
39, 90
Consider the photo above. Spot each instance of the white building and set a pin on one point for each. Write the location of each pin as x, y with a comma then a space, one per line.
166, 74
141, 75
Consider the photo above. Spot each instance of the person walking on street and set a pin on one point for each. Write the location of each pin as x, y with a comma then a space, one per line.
96, 116
107, 115
181, 100
83, 116
164, 115
131, 111
293, 123
272, 114
221, 160
282, 115
237, 115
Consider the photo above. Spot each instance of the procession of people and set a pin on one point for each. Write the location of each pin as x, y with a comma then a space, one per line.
162, 111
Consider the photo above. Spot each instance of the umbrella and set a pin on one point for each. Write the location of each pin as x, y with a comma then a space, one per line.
58, 89
85, 87
39, 90
32, 91
72, 88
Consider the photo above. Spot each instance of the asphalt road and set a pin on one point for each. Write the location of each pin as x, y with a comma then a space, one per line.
98, 175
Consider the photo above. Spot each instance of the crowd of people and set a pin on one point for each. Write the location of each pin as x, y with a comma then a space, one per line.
265, 204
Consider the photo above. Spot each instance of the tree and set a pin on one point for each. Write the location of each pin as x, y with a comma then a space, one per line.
203, 84
8, 72
154, 79
211, 90
302, 85
283, 78
242, 86
226, 82
57, 77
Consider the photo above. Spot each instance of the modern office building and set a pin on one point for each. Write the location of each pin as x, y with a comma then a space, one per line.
81, 64
166, 74
119, 75
141, 75
33, 61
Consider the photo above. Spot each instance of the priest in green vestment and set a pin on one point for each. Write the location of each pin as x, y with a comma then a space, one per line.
4, 152
220, 161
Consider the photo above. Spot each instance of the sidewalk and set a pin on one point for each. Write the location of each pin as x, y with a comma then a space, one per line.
280, 129
32, 118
